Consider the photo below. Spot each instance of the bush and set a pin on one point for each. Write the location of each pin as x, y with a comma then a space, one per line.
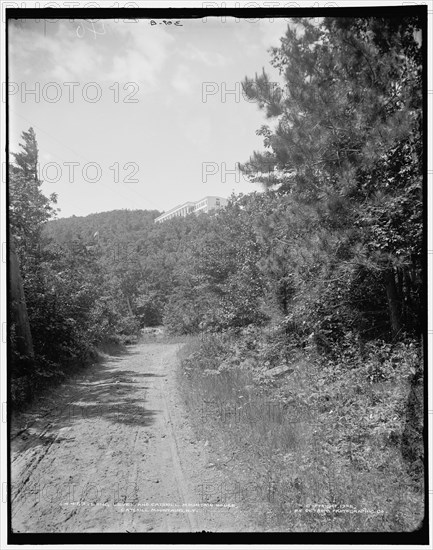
182, 316
128, 326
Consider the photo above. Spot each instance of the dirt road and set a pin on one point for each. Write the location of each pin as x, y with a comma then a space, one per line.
112, 451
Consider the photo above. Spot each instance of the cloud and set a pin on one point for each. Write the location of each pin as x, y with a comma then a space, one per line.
144, 52
57, 54
74, 51
211, 59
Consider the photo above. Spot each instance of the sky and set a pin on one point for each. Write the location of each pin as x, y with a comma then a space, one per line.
135, 115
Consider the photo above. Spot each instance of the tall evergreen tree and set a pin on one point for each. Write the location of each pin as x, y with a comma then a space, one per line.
347, 149
26, 162
29, 208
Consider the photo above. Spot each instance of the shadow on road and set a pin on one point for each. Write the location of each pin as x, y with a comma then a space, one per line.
105, 391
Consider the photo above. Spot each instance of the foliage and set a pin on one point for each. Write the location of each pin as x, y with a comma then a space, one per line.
71, 307
326, 434
346, 151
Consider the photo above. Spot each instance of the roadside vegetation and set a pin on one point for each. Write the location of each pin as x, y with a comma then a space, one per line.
308, 443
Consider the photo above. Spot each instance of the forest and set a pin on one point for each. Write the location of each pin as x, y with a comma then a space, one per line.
307, 293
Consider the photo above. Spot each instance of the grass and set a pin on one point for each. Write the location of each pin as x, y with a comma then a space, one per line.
315, 450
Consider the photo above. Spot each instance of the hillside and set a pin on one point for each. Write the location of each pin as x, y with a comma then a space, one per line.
114, 226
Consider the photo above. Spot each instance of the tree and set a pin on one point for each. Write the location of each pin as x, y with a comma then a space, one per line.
29, 208
347, 146
26, 162
21, 341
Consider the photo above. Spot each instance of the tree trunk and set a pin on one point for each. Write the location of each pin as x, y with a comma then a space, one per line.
129, 306
393, 302
407, 301
19, 315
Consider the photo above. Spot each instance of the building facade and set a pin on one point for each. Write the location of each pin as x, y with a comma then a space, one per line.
205, 205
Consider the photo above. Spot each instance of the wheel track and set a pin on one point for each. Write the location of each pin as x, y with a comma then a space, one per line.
182, 485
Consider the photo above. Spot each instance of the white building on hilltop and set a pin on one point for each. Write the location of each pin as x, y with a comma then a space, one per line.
204, 205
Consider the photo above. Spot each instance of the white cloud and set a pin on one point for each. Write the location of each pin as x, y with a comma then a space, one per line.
211, 59
145, 51
120, 52
57, 55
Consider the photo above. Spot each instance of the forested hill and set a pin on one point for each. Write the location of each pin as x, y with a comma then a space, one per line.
110, 227
185, 272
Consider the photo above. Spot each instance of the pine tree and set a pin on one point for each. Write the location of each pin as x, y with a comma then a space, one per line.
29, 208
27, 160
347, 149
